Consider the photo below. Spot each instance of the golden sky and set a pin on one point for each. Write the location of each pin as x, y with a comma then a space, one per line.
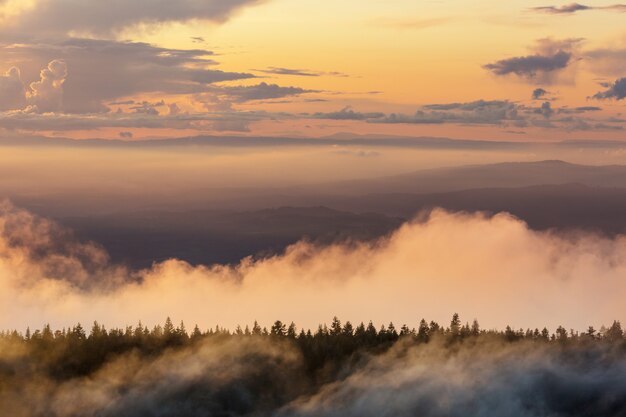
454, 68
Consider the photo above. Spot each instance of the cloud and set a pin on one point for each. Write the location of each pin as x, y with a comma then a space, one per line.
347, 113
565, 9
46, 95
33, 248
42, 96
490, 112
487, 267
530, 65
482, 112
550, 56
102, 71
222, 98
289, 71
12, 91
539, 93
147, 107
545, 110
220, 115
146, 119
615, 91
572, 8
262, 91
300, 72
578, 110
51, 17
173, 109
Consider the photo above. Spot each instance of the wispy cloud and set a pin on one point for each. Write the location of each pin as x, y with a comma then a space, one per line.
568, 9
299, 72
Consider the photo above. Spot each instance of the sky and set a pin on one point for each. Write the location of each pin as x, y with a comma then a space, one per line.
488, 73
482, 69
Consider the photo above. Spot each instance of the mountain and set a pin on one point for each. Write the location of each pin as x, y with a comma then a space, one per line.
206, 236
509, 174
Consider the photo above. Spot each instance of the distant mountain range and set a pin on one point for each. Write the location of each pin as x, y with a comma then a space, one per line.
345, 139
508, 174
217, 227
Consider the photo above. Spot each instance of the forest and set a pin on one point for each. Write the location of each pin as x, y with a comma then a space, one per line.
337, 369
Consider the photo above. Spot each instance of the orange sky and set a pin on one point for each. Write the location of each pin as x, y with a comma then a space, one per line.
286, 60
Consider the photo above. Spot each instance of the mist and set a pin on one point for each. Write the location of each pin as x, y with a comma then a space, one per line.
486, 378
266, 376
493, 268
85, 178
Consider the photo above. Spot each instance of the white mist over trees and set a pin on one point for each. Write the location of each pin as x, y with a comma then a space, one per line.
492, 268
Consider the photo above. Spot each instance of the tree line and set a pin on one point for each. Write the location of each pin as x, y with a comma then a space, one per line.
76, 351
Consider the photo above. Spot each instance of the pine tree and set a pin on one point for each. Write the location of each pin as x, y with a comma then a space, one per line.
423, 332
292, 331
455, 325
168, 328
278, 328
475, 328
335, 327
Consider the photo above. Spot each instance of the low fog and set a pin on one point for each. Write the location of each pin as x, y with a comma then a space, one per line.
477, 380
266, 376
493, 268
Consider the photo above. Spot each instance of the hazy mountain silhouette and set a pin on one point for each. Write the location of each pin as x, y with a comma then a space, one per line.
508, 174
206, 236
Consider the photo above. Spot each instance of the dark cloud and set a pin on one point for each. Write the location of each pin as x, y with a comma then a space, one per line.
105, 18
491, 112
578, 110
539, 93
572, 8
549, 56
347, 113
222, 117
222, 98
99, 71
262, 91
288, 71
545, 110
565, 9
148, 108
126, 135
530, 65
484, 112
615, 91
299, 72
